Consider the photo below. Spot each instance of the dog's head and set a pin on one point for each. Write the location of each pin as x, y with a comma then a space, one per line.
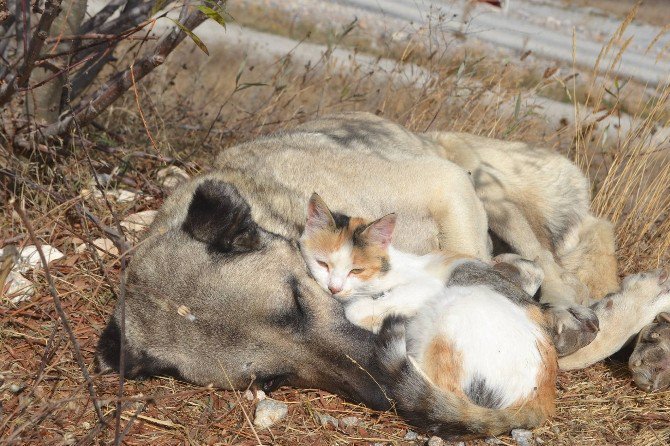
214, 298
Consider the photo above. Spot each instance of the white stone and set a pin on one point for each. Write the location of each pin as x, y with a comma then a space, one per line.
523, 437
411, 436
325, 419
17, 288
30, 257
435, 441
251, 396
139, 221
350, 421
171, 177
269, 412
125, 196
105, 247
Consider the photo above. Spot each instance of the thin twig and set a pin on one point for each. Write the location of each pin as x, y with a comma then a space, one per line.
76, 349
139, 108
96, 37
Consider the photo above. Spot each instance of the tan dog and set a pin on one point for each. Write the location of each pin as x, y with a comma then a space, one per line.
218, 292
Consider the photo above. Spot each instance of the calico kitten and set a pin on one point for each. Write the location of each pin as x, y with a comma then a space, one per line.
470, 328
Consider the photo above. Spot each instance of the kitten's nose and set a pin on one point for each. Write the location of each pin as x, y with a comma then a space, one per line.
334, 289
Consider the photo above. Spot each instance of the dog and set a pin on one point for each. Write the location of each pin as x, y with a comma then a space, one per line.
218, 293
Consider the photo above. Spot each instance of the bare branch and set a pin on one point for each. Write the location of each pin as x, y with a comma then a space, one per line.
119, 83
101, 17
20, 80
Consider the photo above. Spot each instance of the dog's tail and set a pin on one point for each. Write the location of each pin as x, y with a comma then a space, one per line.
440, 412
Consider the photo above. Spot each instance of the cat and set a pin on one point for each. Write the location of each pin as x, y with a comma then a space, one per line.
470, 328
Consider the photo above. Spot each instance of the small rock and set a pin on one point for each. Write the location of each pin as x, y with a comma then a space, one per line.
125, 196
69, 438
30, 257
16, 388
325, 419
86, 425
411, 436
350, 421
98, 195
435, 441
171, 177
523, 437
18, 288
269, 412
249, 394
460, 443
139, 221
492, 440
105, 247
103, 178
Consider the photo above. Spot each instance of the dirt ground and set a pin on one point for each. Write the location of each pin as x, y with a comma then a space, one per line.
234, 95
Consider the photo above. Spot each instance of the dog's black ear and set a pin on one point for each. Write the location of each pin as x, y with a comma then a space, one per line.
219, 217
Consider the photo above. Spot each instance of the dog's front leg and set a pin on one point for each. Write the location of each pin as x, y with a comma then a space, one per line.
622, 315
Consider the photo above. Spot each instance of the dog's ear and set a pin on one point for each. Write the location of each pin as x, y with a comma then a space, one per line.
219, 217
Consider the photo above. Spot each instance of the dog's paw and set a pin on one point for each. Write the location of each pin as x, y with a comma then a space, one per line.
654, 283
564, 287
572, 326
650, 361
523, 272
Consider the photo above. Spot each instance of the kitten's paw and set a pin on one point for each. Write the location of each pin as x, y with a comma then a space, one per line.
650, 361
572, 326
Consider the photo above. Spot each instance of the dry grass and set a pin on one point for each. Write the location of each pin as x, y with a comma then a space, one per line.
654, 12
598, 405
426, 45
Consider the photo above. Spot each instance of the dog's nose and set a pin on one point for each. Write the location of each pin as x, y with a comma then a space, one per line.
334, 289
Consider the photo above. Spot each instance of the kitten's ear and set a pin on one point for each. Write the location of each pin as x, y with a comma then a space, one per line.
319, 216
380, 232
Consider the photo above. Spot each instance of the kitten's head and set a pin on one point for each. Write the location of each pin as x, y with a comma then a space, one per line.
344, 253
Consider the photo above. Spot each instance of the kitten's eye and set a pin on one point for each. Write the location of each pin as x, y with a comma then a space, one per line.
357, 270
323, 264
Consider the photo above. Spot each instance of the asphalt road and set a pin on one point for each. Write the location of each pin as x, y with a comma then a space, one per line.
546, 28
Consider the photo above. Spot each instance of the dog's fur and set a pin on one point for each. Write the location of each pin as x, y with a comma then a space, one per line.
218, 292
